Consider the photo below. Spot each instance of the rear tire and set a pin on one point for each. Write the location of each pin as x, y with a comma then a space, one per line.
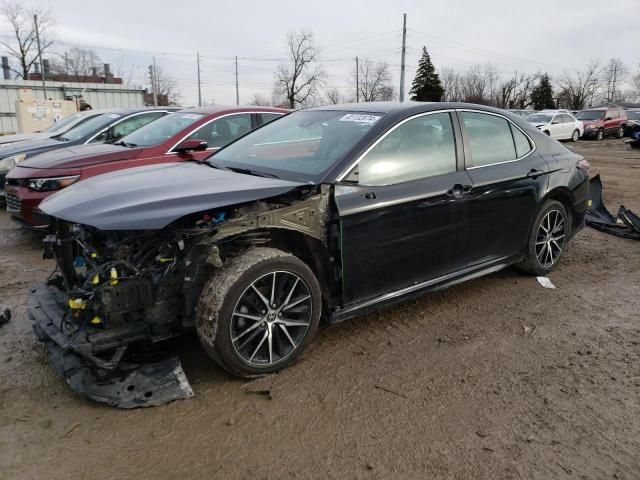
547, 239
239, 327
575, 136
620, 132
600, 135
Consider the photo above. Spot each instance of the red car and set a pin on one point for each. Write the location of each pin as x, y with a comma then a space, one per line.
190, 134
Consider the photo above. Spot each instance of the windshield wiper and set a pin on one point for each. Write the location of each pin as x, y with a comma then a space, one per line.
125, 144
248, 171
61, 139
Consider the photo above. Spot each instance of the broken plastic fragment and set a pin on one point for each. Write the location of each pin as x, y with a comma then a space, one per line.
545, 282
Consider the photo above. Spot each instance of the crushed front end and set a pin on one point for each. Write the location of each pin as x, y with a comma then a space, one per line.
113, 297
116, 296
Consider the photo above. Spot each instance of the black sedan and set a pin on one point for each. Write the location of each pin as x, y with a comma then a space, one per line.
325, 213
105, 127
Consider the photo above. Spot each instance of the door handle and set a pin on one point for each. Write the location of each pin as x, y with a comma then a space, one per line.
533, 173
458, 190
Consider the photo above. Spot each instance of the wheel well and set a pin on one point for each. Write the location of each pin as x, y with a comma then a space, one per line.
312, 252
564, 197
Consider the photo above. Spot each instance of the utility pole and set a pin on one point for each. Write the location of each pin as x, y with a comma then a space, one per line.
611, 87
404, 48
199, 89
237, 92
154, 82
357, 82
44, 85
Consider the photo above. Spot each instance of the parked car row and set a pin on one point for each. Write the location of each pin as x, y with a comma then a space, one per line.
116, 140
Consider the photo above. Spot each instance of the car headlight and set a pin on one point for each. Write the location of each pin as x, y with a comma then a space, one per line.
589, 126
51, 184
8, 163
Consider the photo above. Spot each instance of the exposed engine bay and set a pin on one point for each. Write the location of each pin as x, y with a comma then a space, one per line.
116, 294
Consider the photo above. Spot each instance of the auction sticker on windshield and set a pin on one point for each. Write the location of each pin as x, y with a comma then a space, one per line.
360, 118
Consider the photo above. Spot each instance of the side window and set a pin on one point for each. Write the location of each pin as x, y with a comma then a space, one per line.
613, 114
523, 146
223, 130
490, 138
129, 125
268, 117
419, 148
556, 119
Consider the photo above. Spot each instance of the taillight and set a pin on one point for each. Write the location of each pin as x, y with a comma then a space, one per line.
583, 165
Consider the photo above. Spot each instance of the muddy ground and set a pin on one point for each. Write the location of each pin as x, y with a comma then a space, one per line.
498, 378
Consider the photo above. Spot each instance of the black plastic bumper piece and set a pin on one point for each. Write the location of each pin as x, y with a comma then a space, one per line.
129, 385
626, 224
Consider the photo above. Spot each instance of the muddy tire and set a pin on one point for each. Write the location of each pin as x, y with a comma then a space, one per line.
547, 239
258, 313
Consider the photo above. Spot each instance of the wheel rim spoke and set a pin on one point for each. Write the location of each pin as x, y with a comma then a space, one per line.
297, 302
250, 329
286, 333
264, 337
292, 323
262, 297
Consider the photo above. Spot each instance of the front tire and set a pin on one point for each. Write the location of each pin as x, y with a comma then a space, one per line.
258, 313
547, 239
575, 136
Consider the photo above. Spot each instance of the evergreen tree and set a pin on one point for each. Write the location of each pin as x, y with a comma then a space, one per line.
426, 86
542, 94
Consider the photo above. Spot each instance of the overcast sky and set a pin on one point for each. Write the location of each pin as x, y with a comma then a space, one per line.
529, 36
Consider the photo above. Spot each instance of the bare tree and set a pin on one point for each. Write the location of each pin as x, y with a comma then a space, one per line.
451, 83
260, 100
23, 47
333, 96
515, 92
474, 85
374, 81
615, 73
166, 88
577, 88
299, 79
635, 81
77, 63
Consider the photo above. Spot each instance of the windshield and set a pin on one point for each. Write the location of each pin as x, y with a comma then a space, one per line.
538, 118
300, 146
633, 114
90, 127
590, 115
157, 132
62, 124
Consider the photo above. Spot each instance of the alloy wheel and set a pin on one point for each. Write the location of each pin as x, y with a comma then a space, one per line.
550, 239
271, 318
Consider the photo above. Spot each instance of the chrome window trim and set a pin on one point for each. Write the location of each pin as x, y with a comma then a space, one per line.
170, 152
382, 137
533, 149
122, 120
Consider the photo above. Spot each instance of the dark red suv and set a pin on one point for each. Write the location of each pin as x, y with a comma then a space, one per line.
602, 121
190, 134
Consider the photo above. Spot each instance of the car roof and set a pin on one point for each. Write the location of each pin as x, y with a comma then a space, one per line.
128, 111
232, 108
410, 106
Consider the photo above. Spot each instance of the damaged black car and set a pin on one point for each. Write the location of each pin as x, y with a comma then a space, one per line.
326, 213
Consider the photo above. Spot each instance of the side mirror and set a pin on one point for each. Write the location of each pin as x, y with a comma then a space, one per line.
191, 145
606, 119
555, 122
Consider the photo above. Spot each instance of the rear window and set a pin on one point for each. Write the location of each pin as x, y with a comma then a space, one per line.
590, 115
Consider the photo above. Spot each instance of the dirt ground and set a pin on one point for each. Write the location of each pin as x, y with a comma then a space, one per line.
497, 378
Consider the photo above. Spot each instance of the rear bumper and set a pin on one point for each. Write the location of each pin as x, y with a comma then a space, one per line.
72, 354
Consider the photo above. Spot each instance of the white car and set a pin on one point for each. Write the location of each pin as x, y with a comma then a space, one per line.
558, 124
61, 126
